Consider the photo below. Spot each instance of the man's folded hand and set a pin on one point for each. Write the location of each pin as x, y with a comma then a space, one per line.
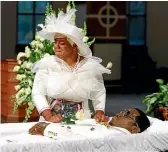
38, 129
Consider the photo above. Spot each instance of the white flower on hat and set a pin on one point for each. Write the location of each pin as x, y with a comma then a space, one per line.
65, 24
68, 8
85, 39
80, 115
20, 55
80, 29
109, 65
73, 20
16, 68
41, 25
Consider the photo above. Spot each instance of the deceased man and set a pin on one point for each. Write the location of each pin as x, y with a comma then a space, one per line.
127, 121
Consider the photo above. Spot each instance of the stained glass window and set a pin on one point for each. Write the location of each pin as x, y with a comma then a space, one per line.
25, 28
40, 6
136, 11
136, 32
30, 14
39, 19
25, 7
137, 7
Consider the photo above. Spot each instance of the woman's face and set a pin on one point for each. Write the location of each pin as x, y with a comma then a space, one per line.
62, 47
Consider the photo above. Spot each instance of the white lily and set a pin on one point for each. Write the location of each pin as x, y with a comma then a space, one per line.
38, 38
21, 99
30, 82
17, 87
20, 55
33, 43
29, 65
18, 94
20, 77
28, 91
37, 50
16, 68
19, 62
27, 52
24, 64
41, 46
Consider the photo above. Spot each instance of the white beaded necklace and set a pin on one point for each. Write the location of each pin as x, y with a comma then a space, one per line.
76, 64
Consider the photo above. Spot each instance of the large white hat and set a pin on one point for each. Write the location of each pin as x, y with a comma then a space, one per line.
61, 24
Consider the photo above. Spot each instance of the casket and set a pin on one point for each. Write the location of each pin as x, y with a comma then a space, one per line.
15, 138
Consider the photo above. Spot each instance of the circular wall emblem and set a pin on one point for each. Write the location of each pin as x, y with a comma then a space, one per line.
111, 20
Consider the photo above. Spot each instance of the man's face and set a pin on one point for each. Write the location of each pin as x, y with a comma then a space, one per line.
62, 47
126, 119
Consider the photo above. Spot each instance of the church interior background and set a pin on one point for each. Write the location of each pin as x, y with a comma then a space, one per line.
132, 35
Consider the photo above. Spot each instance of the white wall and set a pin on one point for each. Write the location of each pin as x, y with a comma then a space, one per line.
157, 28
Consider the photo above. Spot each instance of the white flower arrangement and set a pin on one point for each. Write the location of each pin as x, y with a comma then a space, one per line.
36, 50
80, 115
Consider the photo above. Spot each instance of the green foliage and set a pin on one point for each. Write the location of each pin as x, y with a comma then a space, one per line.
160, 98
91, 42
49, 10
69, 119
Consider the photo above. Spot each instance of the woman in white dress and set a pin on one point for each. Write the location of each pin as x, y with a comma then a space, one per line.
65, 82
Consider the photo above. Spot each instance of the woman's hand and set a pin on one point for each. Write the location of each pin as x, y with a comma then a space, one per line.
56, 118
49, 117
100, 117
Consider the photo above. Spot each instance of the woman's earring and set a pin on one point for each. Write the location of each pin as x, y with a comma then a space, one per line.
53, 48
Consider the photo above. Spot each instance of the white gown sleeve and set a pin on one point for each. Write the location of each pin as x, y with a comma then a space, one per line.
100, 102
91, 82
38, 92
